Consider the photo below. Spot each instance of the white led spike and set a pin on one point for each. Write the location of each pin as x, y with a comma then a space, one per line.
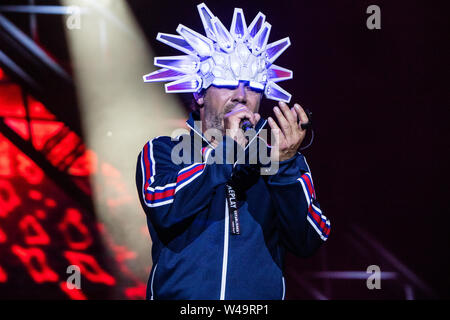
206, 16
256, 25
163, 75
187, 64
275, 49
224, 38
275, 92
201, 44
238, 26
259, 42
176, 42
277, 74
224, 57
192, 83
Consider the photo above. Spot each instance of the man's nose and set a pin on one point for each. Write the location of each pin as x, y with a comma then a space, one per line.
240, 93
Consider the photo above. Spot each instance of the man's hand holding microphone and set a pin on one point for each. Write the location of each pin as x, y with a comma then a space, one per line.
288, 134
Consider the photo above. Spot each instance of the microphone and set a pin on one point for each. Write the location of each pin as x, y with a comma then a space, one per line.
246, 124
309, 123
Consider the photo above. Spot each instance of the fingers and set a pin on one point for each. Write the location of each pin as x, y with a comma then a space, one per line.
288, 119
294, 113
241, 112
287, 113
257, 117
288, 139
284, 123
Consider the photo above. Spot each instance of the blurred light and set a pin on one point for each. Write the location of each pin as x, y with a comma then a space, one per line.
119, 114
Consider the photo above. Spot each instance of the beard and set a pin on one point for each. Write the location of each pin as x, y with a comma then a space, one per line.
214, 118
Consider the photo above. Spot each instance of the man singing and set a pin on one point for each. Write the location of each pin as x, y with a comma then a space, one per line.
219, 226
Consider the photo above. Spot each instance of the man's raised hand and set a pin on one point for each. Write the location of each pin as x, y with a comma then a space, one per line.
289, 135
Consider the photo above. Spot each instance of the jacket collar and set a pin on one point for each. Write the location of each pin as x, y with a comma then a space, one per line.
194, 118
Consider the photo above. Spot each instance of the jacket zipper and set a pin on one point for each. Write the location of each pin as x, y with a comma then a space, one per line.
225, 253
227, 226
151, 286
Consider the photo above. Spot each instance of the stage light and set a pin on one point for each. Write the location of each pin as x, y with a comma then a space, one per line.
119, 113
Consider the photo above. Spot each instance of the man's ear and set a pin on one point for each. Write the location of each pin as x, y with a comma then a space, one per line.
200, 98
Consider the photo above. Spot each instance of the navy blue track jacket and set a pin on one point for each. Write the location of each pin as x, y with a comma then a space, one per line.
195, 256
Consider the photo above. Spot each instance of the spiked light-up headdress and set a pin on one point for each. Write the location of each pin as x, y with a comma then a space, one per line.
223, 58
